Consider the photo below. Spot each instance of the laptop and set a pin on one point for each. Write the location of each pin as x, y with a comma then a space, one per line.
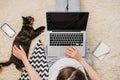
66, 29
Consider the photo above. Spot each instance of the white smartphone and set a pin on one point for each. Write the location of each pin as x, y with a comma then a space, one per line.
8, 30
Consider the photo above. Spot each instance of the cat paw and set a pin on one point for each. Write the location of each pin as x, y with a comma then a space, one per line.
42, 28
38, 31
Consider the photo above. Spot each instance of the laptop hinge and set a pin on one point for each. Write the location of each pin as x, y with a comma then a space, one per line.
66, 31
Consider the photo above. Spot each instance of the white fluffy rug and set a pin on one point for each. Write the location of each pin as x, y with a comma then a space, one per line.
103, 25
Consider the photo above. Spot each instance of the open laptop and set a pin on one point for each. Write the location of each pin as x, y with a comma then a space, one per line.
66, 29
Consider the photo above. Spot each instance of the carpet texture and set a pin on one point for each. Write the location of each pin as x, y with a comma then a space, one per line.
103, 25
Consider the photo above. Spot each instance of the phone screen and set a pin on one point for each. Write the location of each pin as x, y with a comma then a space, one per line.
8, 30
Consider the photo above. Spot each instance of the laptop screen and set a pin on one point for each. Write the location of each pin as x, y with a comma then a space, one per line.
67, 20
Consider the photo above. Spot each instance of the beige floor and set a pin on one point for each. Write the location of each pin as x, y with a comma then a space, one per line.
103, 25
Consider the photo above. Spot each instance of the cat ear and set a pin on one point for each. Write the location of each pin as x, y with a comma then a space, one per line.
23, 17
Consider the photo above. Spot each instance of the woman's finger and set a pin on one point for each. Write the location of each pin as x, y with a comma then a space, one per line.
67, 52
73, 47
70, 49
16, 48
14, 52
21, 47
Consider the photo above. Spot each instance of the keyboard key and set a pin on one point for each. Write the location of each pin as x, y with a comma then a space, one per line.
66, 39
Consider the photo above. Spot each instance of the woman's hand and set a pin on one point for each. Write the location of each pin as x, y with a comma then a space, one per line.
19, 53
72, 52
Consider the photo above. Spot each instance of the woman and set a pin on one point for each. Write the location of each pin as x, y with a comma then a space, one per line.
71, 52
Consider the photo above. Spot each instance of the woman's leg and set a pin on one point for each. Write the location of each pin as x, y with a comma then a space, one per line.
87, 54
67, 5
61, 5
73, 5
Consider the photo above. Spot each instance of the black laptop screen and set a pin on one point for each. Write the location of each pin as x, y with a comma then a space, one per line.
67, 20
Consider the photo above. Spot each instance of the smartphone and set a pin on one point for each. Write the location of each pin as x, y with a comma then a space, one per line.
8, 30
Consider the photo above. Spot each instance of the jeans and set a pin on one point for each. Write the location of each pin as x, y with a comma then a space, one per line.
67, 6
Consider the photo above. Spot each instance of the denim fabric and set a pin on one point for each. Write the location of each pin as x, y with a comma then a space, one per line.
67, 6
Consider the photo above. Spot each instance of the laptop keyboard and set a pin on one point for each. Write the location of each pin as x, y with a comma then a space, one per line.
66, 39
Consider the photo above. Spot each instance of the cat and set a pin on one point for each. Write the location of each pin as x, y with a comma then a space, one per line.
24, 38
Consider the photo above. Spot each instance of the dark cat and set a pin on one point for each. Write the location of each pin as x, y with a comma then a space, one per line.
24, 38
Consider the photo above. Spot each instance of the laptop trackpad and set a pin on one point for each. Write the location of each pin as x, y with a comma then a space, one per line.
59, 51
56, 51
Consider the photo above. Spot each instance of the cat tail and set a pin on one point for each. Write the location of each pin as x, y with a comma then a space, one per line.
38, 31
2, 64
